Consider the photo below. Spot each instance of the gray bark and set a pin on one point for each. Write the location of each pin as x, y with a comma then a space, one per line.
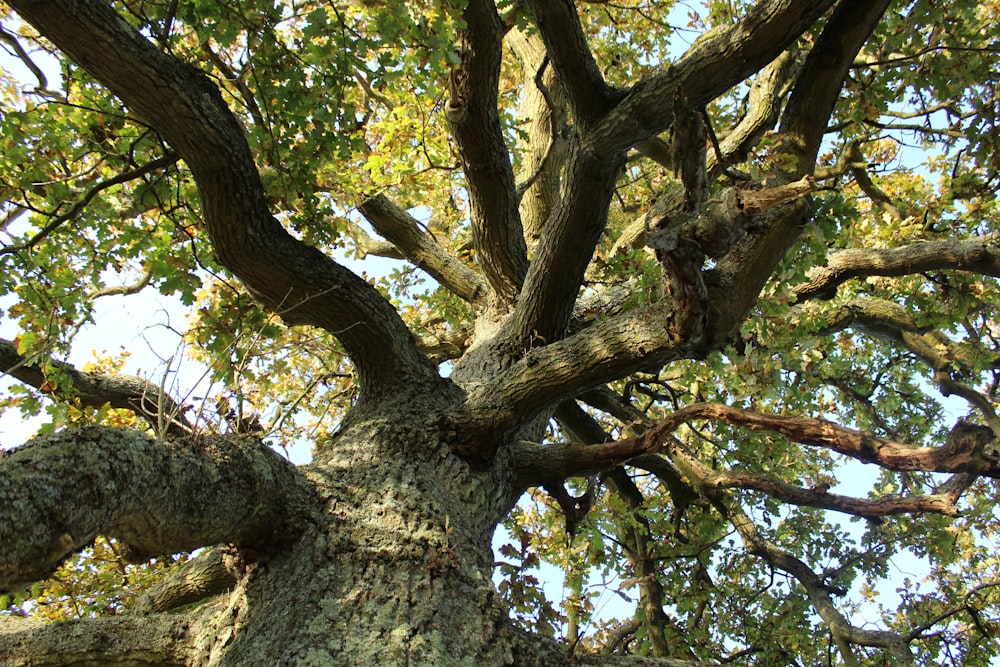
379, 551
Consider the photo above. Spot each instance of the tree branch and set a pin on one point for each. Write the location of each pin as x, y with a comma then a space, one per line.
473, 115
938, 503
559, 25
542, 111
99, 389
963, 452
822, 77
403, 231
980, 255
819, 592
157, 497
567, 244
607, 350
763, 105
123, 641
195, 580
287, 276
88, 196
741, 275
713, 65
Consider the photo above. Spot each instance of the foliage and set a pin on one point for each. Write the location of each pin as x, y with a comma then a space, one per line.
344, 101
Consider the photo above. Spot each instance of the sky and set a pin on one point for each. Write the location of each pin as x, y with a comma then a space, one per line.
148, 327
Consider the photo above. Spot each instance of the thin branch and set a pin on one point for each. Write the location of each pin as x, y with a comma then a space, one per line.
98, 389
88, 196
26, 60
938, 503
844, 632
125, 290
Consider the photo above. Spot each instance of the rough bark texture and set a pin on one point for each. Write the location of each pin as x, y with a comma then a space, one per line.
379, 552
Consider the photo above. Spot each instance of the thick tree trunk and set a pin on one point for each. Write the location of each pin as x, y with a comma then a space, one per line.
395, 569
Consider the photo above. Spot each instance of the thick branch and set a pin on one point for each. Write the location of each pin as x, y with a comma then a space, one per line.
295, 280
979, 255
543, 114
763, 105
403, 231
607, 350
822, 77
99, 389
741, 275
963, 452
712, 66
559, 24
195, 580
122, 640
567, 244
763, 110
474, 118
58, 492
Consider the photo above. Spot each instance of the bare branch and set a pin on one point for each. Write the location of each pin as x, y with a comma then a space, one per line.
157, 497
403, 231
979, 255
124, 290
365, 244
26, 60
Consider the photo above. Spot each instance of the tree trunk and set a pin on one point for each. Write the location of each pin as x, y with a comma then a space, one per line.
395, 570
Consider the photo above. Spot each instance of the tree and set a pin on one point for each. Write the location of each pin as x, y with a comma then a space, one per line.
677, 290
